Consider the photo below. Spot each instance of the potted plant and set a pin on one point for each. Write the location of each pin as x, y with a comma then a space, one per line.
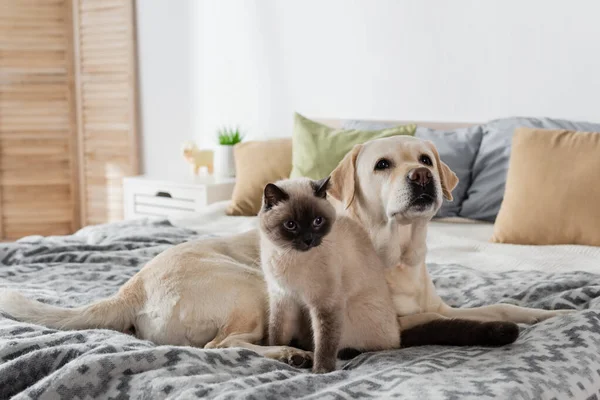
224, 162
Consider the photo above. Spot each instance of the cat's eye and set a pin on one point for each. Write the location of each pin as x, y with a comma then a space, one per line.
425, 159
317, 222
382, 164
290, 225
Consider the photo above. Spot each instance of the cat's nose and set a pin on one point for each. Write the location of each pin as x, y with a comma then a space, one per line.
307, 240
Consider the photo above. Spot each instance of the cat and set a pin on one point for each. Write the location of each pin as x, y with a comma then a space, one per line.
329, 291
324, 264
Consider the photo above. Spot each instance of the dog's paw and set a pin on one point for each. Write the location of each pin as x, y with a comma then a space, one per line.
547, 314
291, 356
212, 345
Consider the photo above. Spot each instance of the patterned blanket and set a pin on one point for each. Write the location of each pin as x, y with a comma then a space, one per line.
558, 358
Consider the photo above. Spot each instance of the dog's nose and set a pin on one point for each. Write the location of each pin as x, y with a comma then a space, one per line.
421, 176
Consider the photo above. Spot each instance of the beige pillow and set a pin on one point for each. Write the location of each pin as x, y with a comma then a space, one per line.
552, 189
256, 164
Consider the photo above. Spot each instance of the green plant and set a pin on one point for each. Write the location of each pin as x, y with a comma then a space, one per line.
229, 136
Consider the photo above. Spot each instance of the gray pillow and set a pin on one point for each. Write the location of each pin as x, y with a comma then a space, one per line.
486, 192
457, 148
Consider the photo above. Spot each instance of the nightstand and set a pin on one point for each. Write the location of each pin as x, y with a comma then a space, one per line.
154, 197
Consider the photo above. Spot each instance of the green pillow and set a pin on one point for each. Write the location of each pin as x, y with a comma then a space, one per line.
317, 149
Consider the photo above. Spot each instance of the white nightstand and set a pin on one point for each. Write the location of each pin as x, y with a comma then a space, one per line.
154, 197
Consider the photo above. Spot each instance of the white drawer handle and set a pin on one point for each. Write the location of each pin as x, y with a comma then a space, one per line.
164, 194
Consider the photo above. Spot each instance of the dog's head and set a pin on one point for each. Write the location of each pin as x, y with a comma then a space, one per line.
398, 178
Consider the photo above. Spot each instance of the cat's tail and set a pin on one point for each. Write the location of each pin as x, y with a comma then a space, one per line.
117, 312
460, 332
452, 332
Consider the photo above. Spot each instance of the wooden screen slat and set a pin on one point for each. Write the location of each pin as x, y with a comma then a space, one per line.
38, 170
68, 115
106, 104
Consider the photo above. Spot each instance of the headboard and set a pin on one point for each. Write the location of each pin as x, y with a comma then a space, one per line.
336, 123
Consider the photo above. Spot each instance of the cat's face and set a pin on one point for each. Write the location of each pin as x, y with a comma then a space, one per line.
296, 213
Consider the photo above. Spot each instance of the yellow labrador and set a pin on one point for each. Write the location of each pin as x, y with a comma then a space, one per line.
394, 186
212, 294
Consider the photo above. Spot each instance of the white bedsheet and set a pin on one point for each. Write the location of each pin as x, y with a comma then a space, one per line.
455, 242
213, 220
468, 245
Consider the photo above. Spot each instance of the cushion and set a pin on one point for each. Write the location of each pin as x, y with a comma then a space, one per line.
484, 196
319, 148
457, 148
256, 164
552, 192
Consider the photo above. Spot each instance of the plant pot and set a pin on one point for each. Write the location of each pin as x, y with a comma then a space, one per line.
224, 162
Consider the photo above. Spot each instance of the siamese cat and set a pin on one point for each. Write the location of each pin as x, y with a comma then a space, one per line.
323, 266
326, 265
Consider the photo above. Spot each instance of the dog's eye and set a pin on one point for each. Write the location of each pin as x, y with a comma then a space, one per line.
317, 222
290, 225
425, 159
382, 164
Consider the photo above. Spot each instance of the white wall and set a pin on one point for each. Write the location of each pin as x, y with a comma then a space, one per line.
166, 40
256, 61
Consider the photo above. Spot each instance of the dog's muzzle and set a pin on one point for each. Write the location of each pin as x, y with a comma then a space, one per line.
422, 186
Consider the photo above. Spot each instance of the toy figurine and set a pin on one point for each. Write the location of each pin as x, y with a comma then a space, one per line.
197, 158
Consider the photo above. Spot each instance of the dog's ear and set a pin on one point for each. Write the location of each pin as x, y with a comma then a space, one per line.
448, 178
343, 178
273, 194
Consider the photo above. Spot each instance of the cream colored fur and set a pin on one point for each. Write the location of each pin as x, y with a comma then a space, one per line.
341, 283
211, 293
381, 204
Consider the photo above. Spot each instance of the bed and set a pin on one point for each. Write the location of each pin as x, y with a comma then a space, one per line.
557, 358
554, 359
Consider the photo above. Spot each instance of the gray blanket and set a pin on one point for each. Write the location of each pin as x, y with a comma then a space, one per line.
558, 358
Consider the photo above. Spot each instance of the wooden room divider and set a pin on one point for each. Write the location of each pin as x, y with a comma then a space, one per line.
68, 112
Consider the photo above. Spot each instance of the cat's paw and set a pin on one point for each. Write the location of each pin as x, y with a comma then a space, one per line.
323, 368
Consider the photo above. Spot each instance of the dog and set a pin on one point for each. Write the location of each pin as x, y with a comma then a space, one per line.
394, 187
212, 294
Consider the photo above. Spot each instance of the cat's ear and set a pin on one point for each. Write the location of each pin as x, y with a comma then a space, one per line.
273, 194
343, 179
321, 187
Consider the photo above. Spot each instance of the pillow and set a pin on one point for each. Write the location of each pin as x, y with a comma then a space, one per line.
256, 164
552, 192
318, 148
457, 148
484, 196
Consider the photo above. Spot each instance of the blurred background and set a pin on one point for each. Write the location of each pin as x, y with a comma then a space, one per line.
255, 62
92, 91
